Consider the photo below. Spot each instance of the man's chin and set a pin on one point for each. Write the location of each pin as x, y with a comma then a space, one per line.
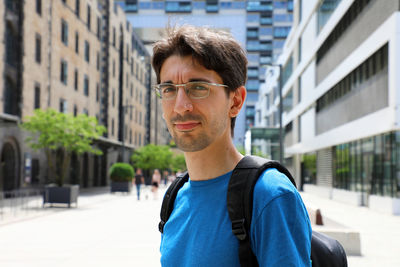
191, 144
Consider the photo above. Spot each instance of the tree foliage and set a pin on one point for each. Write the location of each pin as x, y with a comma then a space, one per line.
151, 157
178, 163
53, 131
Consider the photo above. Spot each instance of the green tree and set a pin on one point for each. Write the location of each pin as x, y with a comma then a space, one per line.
241, 150
150, 157
178, 163
54, 131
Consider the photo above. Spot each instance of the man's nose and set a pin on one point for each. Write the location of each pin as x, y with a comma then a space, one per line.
182, 101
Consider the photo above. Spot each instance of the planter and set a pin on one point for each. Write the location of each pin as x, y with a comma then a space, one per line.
385, 204
66, 194
121, 187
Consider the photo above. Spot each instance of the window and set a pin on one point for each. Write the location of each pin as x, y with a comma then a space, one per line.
39, 7
299, 50
76, 78
88, 17
37, 96
86, 85
64, 72
98, 61
299, 89
87, 51
85, 111
281, 32
64, 32
77, 7
63, 105
97, 92
114, 37
113, 68
112, 127
98, 27
178, 6
38, 48
77, 42
75, 110
113, 98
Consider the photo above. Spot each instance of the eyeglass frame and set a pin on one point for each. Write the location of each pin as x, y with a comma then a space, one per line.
157, 89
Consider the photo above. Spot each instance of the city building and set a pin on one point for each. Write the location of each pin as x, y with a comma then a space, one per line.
260, 26
341, 86
74, 56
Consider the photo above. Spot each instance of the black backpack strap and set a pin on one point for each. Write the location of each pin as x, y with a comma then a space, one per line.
240, 201
169, 199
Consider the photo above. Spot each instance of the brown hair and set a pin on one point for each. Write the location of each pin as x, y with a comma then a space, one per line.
215, 50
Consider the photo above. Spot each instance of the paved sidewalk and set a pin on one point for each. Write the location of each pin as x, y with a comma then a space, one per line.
379, 232
105, 230
117, 230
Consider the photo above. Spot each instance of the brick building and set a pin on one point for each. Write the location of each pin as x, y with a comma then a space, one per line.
75, 56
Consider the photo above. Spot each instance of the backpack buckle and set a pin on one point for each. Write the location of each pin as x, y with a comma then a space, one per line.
239, 229
161, 226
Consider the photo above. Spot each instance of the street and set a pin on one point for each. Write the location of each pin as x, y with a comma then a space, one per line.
105, 230
117, 230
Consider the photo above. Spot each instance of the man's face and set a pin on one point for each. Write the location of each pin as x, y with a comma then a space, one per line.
194, 123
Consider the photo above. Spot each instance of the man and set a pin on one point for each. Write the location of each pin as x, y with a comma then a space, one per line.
201, 75
139, 180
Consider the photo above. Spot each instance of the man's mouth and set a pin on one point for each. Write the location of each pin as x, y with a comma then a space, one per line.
186, 126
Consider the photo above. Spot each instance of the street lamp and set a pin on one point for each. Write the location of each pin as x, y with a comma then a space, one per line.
280, 111
124, 108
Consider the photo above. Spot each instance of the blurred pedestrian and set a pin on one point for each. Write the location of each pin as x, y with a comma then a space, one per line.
139, 180
165, 177
155, 181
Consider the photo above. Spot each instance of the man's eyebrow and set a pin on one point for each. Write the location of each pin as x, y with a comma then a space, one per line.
169, 81
199, 80
191, 80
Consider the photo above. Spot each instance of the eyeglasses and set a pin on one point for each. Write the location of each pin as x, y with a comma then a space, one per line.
194, 90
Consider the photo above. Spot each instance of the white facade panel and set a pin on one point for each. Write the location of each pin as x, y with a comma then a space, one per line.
308, 126
394, 70
308, 83
308, 38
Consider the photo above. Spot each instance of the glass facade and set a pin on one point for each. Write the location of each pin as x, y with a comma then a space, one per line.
325, 11
370, 165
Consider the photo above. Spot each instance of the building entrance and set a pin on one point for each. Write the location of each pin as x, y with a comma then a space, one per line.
9, 166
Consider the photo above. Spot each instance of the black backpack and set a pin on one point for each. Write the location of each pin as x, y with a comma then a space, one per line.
325, 251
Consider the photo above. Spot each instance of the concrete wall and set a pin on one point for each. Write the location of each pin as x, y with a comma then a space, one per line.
372, 16
373, 94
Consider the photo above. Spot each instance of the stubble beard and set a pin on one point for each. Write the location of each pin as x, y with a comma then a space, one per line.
189, 142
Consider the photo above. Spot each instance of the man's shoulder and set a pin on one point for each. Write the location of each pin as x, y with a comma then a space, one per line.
272, 184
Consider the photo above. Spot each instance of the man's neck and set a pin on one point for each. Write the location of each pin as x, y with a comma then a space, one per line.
212, 161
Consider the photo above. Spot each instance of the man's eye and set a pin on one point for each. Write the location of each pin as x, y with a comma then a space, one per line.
199, 87
168, 89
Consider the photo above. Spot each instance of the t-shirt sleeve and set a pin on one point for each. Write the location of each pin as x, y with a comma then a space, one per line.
280, 230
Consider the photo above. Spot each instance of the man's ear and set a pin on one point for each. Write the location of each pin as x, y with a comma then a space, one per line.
237, 100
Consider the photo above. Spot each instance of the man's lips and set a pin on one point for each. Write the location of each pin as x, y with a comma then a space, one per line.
186, 126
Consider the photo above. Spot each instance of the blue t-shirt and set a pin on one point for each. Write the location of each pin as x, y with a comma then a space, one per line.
199, 233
